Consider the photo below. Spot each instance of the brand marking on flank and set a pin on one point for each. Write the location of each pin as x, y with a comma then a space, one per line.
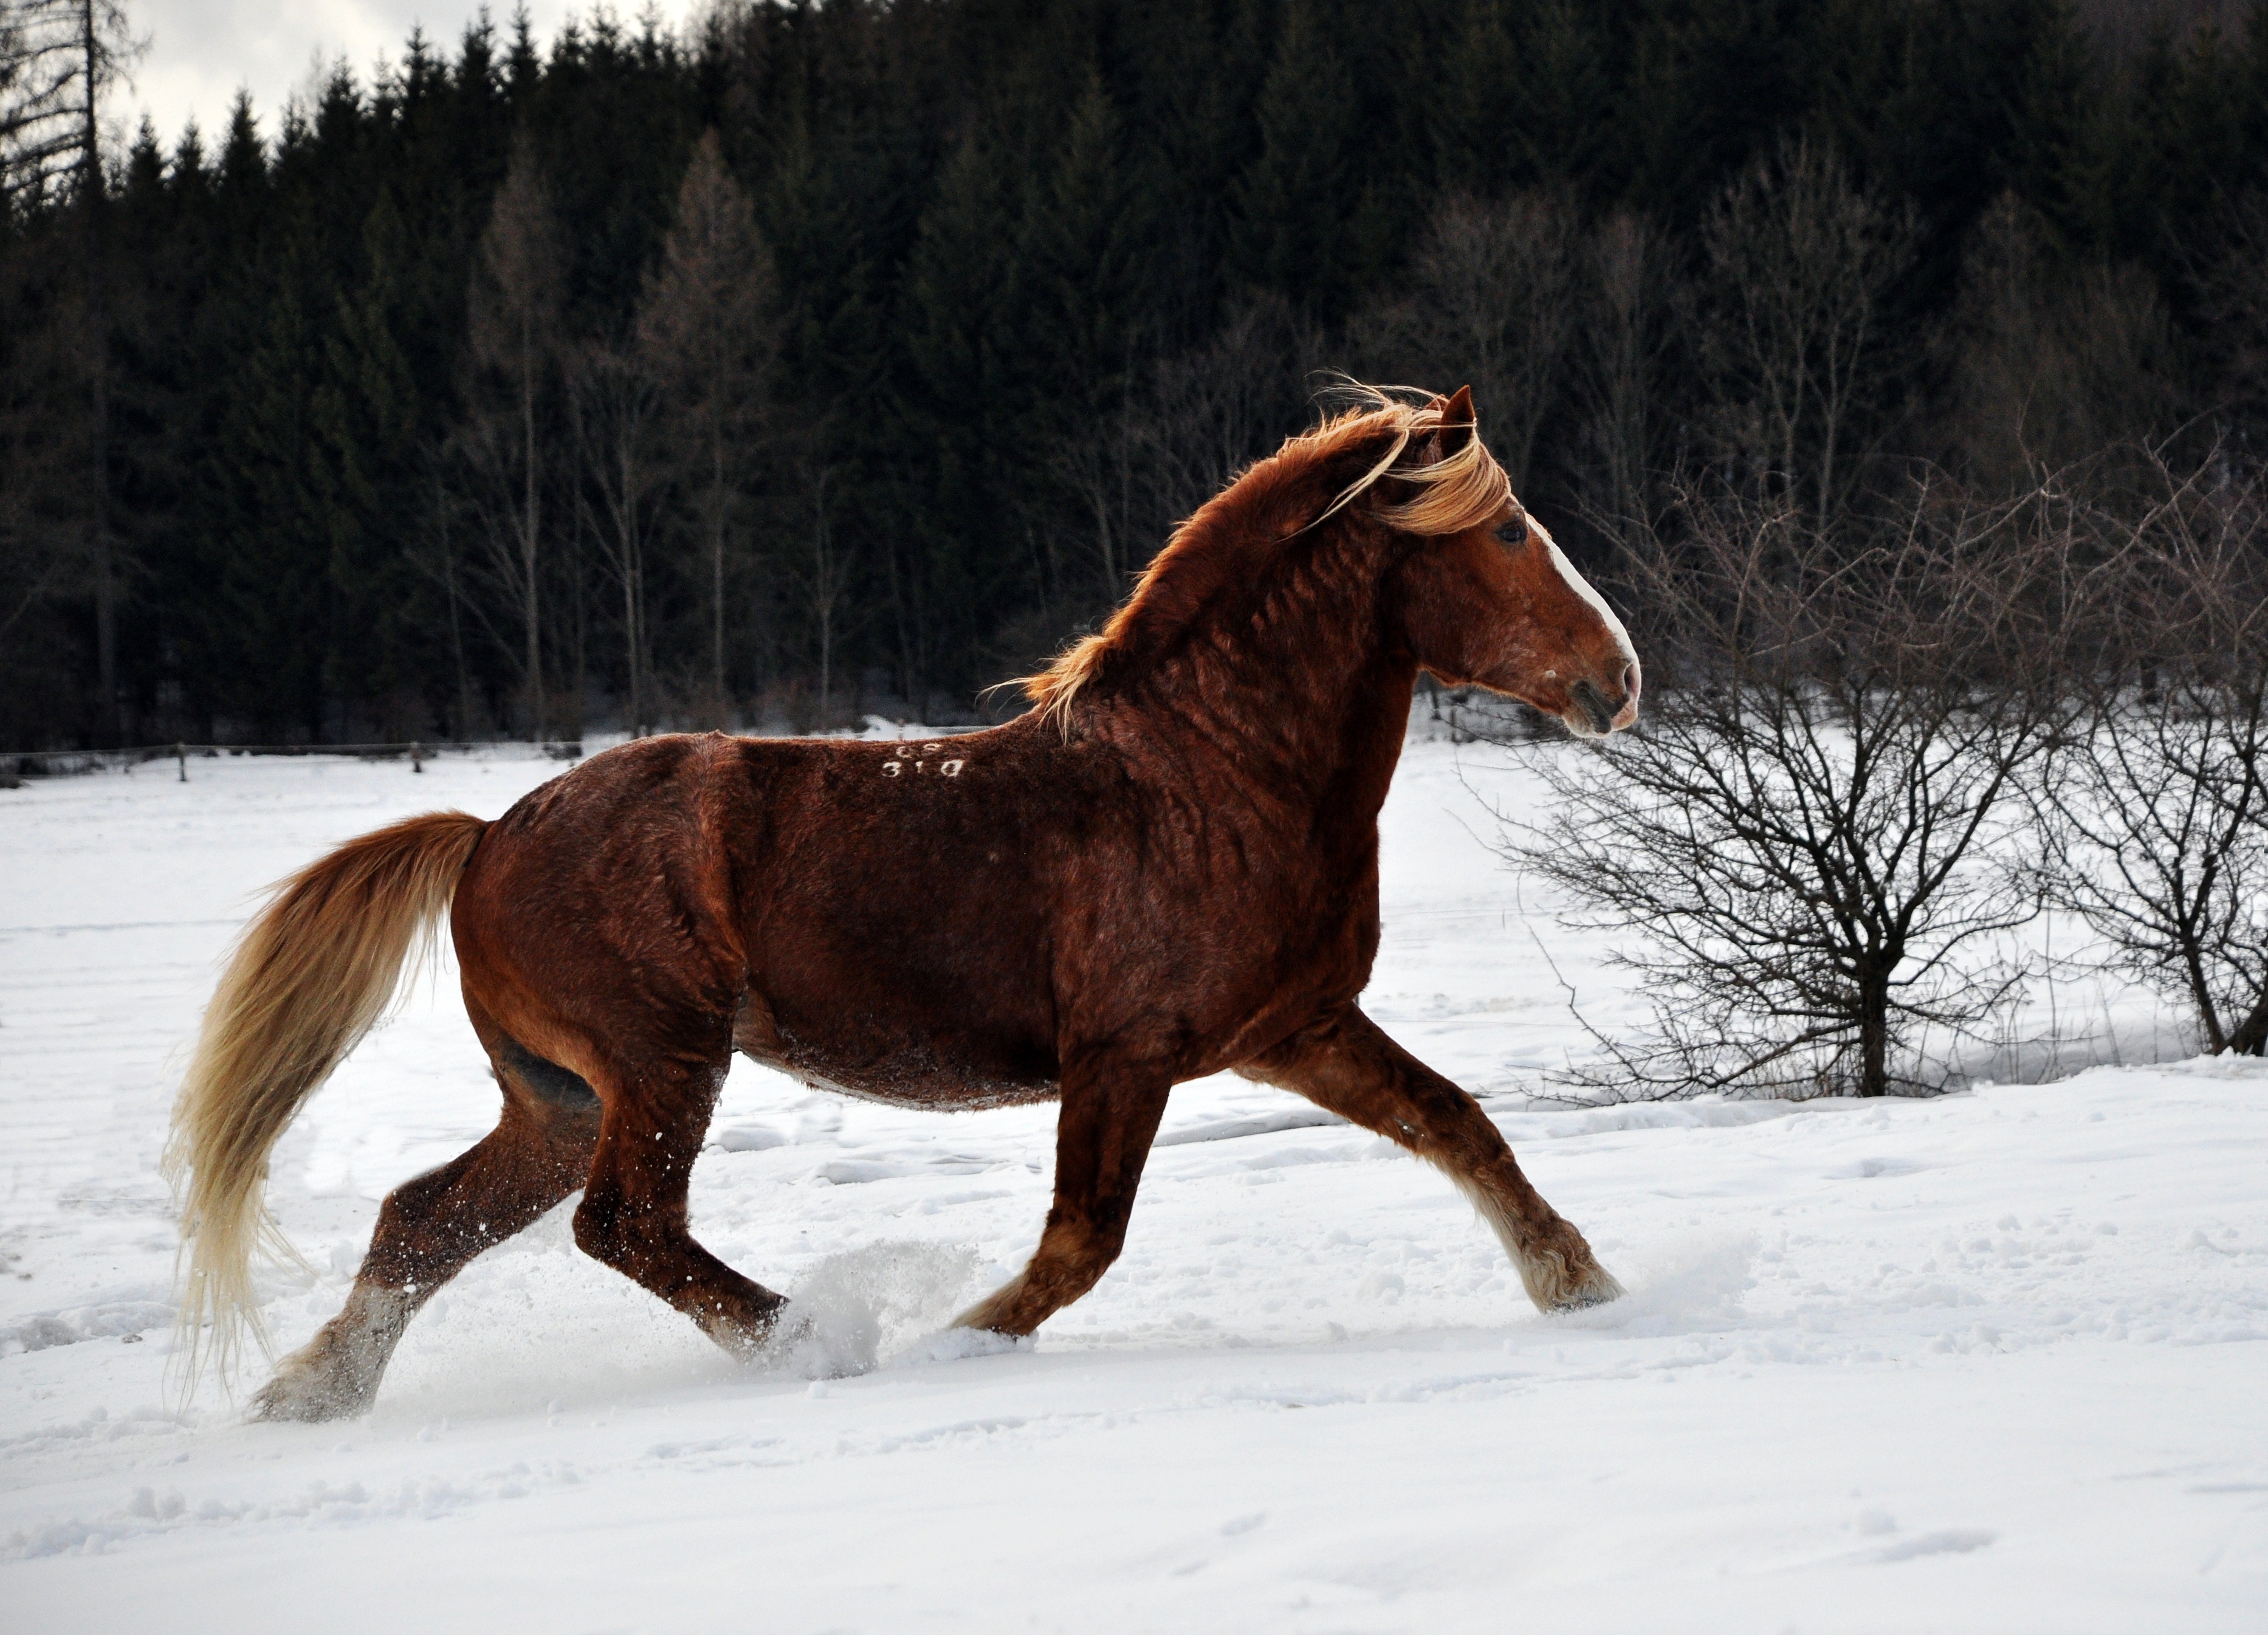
896, 765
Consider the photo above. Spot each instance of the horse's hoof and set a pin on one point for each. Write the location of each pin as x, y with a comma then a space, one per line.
761, 1340
308, 1398
1595, 1290
1560, 1280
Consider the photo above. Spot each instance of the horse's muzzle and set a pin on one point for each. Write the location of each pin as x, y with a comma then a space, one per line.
1604, 713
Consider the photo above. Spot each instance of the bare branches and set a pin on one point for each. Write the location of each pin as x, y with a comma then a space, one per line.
514, 310
56, 60
1799, 829
708, 330
1618, 362
1803, 264
614, 402
2157, 825
1493, 304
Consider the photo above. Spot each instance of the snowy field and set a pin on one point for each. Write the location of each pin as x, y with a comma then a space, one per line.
1990, 1363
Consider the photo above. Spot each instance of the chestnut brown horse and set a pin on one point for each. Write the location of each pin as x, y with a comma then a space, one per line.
1167, 869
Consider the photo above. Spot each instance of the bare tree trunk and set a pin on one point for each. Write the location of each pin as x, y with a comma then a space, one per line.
630, 642
1874, 1033
717, 571
511, 307
111, 721
528, 530
456, 625
707, 334
2251, 1035
824, 583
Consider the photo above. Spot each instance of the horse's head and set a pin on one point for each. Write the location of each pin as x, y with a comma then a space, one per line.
1494, 603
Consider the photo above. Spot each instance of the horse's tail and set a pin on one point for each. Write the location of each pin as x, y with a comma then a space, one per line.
307, 980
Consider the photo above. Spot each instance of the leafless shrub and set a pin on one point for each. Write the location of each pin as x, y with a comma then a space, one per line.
2156, 825
1791, 847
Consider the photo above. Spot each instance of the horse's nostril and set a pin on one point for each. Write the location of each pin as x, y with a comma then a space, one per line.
1630, 683
1594, 706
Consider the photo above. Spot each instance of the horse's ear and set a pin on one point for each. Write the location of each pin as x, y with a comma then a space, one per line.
1457, 420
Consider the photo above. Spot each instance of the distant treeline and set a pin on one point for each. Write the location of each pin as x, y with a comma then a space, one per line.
852, 355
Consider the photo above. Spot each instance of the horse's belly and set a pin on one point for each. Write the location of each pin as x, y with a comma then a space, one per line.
899, 1065
910, 1081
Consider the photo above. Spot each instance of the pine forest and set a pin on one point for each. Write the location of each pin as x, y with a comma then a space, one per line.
823, 359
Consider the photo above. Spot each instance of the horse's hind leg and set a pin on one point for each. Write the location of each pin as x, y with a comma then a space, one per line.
633, 1213
430, 1228
1347, 1065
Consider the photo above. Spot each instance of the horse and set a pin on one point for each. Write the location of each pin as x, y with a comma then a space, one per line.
1166, 868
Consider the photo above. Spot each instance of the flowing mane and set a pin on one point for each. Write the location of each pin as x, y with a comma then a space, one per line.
1267, 506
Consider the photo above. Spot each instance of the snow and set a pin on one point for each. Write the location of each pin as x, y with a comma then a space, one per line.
1990, 1362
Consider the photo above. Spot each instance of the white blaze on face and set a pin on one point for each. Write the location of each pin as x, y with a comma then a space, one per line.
1581, 587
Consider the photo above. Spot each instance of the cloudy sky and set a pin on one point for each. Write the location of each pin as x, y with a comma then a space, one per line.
203, 51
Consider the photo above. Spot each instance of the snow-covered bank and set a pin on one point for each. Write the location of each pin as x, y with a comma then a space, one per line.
1991, 1362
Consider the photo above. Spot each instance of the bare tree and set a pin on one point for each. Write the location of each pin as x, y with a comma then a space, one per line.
707, 333
513, 313
1791, 847
57, 58
1103, 462
1616, 365
1802, 264
823, 572
1492, 304
615, 402
433, 553
2157, 830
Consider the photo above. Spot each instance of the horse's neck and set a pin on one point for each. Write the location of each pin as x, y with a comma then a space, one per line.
1310, 715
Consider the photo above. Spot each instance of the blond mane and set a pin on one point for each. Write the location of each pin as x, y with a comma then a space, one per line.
1463, 490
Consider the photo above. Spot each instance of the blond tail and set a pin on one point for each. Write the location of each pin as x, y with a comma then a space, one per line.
306, 982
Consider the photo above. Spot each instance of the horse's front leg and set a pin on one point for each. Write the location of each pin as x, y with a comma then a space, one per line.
1347, 1065
1110, 1112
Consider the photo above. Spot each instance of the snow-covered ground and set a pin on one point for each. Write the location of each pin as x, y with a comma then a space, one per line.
1994, 1362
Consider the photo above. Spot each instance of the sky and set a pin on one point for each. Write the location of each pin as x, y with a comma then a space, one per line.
201, 52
